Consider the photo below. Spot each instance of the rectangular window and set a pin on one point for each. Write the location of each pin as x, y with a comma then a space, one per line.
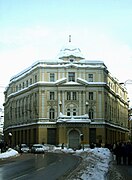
20, 87
90, 77
23, 84
90, 95
52, 77
30, 81
16, 88
71, 76
27, 83
68, 95
52, 95
74, 96
35, 78
52, 113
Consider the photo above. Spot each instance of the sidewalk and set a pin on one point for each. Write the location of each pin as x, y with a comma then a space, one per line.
119, 172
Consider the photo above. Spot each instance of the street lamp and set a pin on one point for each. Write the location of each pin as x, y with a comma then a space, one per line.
10, 139
82, 138
87, 107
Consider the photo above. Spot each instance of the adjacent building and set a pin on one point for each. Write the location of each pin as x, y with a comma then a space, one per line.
1, 123
67, 100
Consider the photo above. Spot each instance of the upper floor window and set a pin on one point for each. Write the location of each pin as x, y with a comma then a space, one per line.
74, 96
71, 112
68, 95
27, 83
17, 88
71, 60
91, 113
71, 95
23, 84
68, 112
35, 78
71, 76
35, 97
52, 95
74, 112
20, 87
30, 81
90, 95
51, 113
52, 77
90, 77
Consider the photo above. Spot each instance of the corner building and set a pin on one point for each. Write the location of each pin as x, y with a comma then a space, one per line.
67, 100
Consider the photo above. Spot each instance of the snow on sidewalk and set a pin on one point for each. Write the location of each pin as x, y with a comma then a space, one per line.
94, 165
9, 153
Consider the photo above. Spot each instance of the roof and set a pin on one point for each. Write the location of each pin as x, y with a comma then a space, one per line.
70, 50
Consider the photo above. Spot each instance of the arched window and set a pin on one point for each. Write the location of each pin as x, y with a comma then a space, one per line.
91, 113
68, 112
74, 112
52, 113
71, 112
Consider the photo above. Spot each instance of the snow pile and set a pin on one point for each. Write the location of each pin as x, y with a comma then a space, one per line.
95, 164
9, 153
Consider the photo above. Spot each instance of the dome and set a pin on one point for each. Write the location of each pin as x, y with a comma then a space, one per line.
70, 50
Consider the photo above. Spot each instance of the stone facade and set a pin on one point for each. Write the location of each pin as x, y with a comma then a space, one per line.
70, 86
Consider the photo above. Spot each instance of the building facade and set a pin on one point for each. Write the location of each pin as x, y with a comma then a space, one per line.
1, 123
68, 100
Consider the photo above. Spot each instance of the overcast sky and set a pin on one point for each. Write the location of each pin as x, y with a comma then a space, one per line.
31, 30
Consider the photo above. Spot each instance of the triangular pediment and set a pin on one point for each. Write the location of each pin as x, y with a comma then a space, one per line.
82, 81
61, 81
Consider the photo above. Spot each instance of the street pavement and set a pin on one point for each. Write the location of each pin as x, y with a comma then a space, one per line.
119, 172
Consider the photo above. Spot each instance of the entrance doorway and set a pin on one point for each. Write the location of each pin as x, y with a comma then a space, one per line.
92, 135
74, 139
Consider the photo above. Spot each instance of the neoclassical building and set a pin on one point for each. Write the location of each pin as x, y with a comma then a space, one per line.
67, 100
